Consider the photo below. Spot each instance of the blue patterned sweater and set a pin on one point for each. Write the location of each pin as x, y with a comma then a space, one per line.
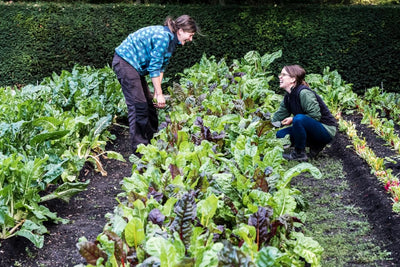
149, 49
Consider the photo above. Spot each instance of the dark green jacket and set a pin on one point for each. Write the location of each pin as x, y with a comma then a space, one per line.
309, 106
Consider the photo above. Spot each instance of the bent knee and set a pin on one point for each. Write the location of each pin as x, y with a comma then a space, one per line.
299, 117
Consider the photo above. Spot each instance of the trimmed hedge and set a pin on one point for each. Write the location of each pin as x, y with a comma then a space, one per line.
361, 42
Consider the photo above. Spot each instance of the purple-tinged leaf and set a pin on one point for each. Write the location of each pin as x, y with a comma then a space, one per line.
91, 252
118, 245
158, 196
156, 217
185, 210
261, 221
174, 170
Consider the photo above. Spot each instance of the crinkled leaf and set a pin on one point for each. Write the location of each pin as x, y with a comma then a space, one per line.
91, 252
156, 217
185, 210
269, 256
151, 262
158, 196
261, 221
174, 170
252, 57
102, 125
231, 256
119, 252
308, 248
267, 59
260, 180
54, 171
164, 250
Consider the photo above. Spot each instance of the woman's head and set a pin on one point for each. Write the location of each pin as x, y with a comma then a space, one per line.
184, 26
292, 75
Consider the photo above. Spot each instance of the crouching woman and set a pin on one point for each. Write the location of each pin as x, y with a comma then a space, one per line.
311, 123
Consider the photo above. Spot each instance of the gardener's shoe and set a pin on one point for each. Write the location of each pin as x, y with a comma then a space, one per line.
299, 155
314, 151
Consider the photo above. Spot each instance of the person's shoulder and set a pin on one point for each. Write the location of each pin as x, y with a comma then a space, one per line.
151, 29
160, 32
306, 93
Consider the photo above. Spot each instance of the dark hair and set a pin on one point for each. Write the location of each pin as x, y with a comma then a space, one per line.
297, 72
184, 22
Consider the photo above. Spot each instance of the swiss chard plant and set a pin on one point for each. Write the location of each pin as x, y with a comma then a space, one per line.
47, 132
212, 188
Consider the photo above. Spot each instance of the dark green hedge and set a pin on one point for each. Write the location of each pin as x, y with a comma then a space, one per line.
362, 43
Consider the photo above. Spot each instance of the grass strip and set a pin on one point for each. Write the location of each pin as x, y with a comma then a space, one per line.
335, 222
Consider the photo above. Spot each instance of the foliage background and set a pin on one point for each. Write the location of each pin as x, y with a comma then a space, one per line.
361, 42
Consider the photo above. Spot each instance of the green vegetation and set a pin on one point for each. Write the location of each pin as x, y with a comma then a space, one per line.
212, 187
215, 173
47, 133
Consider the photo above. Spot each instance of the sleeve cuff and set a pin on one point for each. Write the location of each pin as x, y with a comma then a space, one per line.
155, 74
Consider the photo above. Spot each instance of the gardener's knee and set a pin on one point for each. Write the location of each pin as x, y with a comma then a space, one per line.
299, 118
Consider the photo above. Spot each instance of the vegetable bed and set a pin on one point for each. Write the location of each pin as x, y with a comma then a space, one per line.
246, 84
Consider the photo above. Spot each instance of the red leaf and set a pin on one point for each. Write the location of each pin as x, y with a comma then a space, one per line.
91, 252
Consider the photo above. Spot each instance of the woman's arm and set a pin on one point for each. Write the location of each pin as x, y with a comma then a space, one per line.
309, 104
158, 94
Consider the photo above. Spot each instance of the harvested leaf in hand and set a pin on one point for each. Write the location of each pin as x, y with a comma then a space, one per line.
276, 124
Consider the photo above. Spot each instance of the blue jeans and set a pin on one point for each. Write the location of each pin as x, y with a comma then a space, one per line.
306, 131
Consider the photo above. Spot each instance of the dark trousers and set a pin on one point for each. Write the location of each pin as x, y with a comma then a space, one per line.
142, 115
306, 131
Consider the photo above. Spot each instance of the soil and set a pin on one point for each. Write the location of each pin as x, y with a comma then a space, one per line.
86, 211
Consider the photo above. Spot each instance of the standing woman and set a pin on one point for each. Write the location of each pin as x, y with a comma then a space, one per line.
312, 123
147, 52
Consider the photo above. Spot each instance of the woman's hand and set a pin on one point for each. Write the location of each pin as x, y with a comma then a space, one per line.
159, 101
287, 121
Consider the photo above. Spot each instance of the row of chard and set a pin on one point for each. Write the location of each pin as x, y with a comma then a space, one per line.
212, 188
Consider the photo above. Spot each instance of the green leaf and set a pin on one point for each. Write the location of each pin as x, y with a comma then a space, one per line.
33, 232
267, 59
164, 250
296, 170
115, 155
40, 138
269, 256
284, 202
66, 191
207, 209
247, 233
252, 57
47, 122
308, 248
102, 125
134, 232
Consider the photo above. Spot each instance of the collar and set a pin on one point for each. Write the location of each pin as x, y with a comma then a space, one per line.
175, 40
